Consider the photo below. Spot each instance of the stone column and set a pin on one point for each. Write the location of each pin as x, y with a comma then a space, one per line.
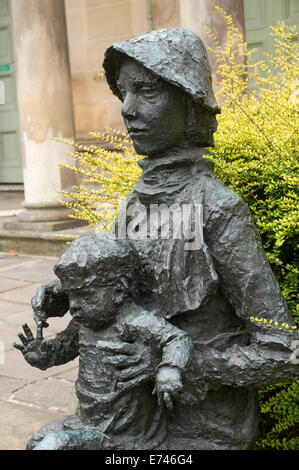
195, 15
45, 109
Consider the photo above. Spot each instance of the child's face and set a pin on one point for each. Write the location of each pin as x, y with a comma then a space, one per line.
95, 305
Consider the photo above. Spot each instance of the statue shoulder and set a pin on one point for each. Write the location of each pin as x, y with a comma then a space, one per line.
219, 198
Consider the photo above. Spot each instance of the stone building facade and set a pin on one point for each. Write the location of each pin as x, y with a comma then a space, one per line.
50, 54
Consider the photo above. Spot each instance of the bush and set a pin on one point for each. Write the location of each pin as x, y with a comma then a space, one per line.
255, 154
107, 177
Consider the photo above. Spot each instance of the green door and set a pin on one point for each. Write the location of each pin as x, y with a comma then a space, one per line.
260, 15
10, 151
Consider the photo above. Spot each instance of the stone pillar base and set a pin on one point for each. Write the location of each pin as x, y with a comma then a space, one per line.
44, 217
43, 226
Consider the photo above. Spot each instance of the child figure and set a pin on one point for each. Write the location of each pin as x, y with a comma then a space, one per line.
115, 412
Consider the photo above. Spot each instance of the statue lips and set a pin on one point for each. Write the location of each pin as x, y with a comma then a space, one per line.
135, 131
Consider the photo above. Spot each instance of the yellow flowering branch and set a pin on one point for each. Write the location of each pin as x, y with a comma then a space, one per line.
275, 324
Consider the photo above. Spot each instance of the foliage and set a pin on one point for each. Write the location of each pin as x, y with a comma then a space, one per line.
274, 324
279, 417
256, 154
107, 177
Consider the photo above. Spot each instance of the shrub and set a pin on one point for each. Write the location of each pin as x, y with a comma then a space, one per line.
255, 154
107, 177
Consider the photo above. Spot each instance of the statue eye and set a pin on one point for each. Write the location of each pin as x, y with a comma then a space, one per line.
122, 92
144, 88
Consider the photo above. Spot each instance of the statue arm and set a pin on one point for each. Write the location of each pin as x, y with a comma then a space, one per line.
269, 359
174, 344
50, 301
177, 353
249, 284
65, 346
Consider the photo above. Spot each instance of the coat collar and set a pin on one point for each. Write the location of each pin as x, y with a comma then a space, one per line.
172, 171
177, 158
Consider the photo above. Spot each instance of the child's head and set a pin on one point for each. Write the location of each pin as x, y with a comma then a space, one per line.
98, 273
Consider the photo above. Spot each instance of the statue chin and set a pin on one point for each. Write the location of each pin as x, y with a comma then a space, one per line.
152, 151
144, 148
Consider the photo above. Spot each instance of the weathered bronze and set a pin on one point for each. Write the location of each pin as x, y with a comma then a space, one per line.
199, 287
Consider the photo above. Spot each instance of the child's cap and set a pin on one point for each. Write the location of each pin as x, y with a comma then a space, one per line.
94, 257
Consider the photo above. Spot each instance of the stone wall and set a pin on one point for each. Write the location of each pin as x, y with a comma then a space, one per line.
93, 25
166, 13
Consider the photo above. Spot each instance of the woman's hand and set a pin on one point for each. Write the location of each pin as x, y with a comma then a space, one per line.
132, 362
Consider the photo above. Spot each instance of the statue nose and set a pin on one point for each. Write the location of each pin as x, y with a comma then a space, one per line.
129, 110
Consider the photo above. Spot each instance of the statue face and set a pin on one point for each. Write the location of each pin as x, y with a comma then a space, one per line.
93, 306
153, 110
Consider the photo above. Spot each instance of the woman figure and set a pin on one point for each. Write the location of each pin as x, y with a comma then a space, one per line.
208, 286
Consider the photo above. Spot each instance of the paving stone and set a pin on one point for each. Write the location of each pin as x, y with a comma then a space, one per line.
9, 335
53, 393
15, 366
34, 242
19, 423
9, 284
7, 261
8, 386
28, 396
22, 295
13, 263
34, 271
70, 375
9, 309
72, 404
24, 315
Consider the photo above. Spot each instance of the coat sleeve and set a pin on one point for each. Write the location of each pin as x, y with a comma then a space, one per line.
175, 345
246, 279
65, 346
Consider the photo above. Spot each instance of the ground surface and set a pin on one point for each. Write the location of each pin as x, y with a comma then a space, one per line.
29, 398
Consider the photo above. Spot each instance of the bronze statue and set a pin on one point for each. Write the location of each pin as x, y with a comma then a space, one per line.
207, 282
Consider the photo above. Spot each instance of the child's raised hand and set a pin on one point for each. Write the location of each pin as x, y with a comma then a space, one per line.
36, 351
168, 384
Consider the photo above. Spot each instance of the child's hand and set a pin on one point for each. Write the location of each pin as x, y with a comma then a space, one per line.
168, 383
36, 351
